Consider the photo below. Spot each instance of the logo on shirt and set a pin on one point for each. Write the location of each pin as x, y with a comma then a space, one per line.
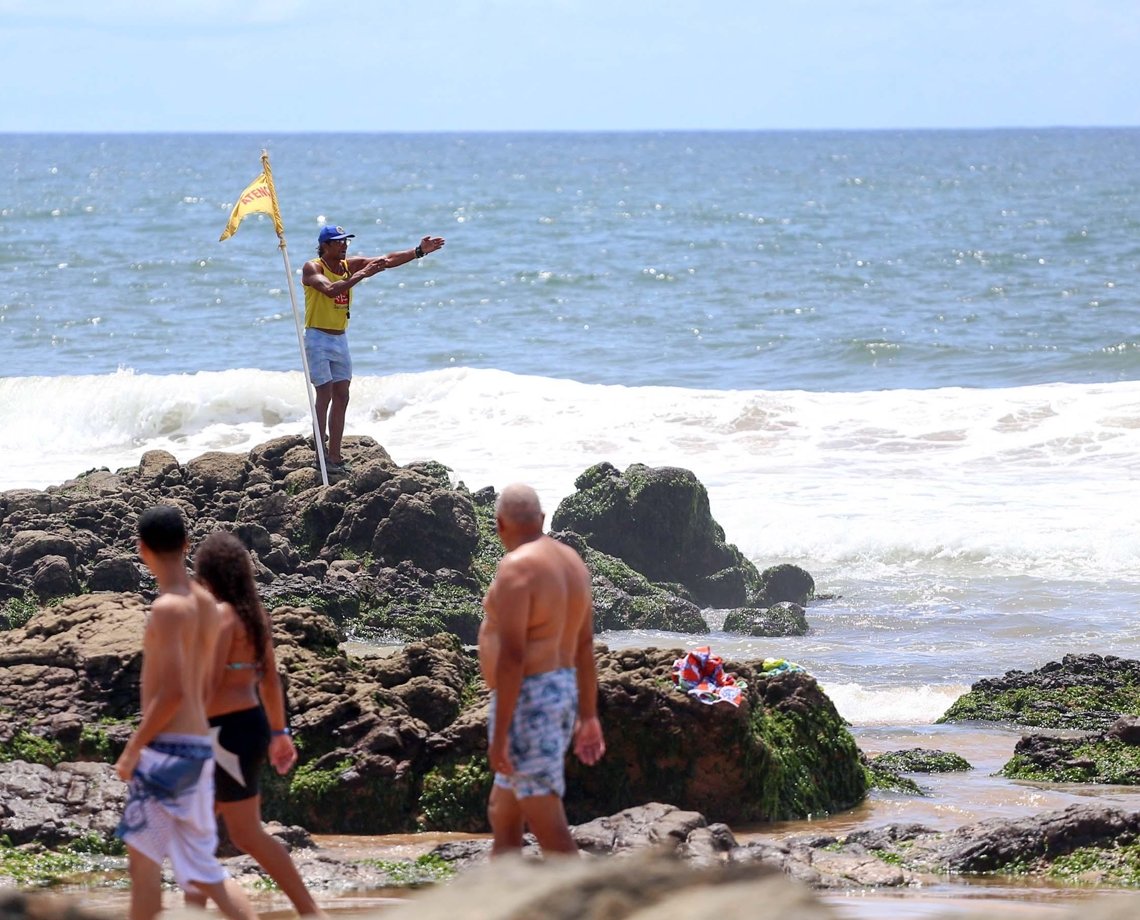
341, 299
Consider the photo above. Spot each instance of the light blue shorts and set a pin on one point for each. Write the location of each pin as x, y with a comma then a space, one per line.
327, 356
540, 734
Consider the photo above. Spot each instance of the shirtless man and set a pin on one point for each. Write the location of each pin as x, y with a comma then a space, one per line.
168, 760
536, 652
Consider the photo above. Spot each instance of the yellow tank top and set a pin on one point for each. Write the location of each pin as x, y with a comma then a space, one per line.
327, 312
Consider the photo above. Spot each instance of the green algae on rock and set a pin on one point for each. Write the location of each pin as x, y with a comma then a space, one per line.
1086, 692
658, 520
781, 619
1104, 758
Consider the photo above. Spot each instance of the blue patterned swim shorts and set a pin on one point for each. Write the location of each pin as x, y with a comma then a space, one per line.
540, 734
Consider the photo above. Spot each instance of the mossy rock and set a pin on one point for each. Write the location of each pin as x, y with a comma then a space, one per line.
658, 521
921, 760
785, 753
442, 609
488, 547
16, 611
454, 797
1088, 759
1084, 692
885, 779
32, 866
626, 599
782, 619
1117, 865
783, 583
32, 748
886, 772
305, 795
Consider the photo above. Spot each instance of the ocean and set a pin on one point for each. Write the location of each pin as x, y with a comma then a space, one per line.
908, 362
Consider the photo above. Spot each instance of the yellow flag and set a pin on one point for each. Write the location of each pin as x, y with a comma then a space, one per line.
259, 197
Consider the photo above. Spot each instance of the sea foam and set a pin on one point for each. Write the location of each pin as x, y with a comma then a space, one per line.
1009, 481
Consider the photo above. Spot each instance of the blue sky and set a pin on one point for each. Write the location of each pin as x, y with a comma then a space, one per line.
470, 65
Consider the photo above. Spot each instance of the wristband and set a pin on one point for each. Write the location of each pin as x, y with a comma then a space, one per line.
419, 252
282, 731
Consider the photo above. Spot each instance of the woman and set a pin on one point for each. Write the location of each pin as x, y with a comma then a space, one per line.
247, 709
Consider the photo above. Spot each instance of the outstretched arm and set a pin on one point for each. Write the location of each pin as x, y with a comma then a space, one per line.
428, 244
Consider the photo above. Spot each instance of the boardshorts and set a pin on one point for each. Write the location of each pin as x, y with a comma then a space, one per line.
170, 808
540, 733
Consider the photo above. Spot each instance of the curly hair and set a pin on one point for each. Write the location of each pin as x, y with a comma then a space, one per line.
223, 564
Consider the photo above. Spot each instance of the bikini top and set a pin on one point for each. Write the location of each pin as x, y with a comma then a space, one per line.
242, 666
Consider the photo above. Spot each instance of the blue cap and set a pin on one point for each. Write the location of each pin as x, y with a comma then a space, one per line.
330, 233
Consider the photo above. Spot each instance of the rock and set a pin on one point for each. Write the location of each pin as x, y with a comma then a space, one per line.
52, 576
155, 466
648, 887
29, 546
784, 583
435, 530
668, 747
216, 472
56, 806
1126, 730
781, 619
993, 844
658, 521
1087, 692
921, 760
422, 549
656, 857
121, 574
38, 905
1089, 758
80, 661
395, 742
398, 556
638, 828
625, 599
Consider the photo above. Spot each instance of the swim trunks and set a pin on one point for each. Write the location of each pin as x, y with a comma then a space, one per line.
170, 808
328, 357
241, 745
540, 733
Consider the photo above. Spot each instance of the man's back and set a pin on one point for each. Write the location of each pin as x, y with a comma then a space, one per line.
561, 595
177, 652
545, 585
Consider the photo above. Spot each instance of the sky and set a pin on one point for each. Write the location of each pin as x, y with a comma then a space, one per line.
566, 65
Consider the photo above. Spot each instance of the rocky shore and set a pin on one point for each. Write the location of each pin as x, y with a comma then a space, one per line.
391, 730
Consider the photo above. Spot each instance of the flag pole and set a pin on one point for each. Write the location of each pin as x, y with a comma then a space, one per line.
296, 316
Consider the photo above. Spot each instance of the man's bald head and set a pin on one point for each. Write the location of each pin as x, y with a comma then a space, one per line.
518, 506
